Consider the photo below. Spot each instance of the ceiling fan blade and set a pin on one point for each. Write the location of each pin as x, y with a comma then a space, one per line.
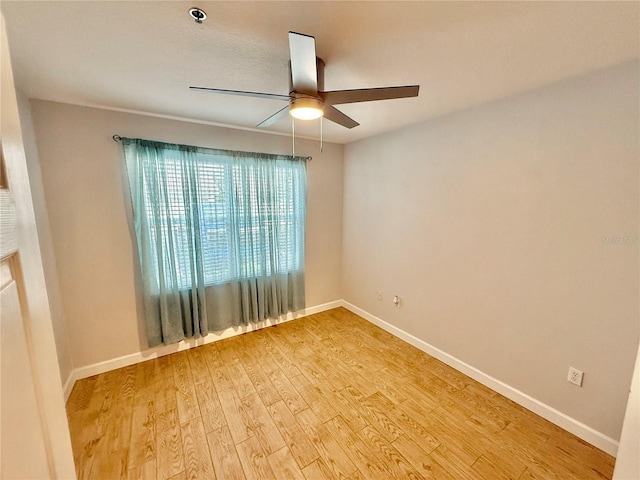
335, 115
304, 75
275, 117
243, 93
337, 97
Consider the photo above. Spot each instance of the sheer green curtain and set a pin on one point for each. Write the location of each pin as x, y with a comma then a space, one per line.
220, 236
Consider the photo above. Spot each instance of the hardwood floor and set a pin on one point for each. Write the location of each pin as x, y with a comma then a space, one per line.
324, 396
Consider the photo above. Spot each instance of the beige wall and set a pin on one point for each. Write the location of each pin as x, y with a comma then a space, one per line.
44, 237
489, 225
85, 195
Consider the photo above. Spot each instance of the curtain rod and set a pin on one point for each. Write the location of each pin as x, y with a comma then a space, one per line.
118, 138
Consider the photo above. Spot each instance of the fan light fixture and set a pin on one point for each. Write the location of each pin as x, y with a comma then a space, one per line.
306, 108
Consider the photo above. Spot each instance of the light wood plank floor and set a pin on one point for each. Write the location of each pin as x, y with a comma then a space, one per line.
325, 396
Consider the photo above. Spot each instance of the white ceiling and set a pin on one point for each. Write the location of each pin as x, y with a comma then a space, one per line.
142, 56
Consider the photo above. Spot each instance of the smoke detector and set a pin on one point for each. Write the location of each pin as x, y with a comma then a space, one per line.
197, 14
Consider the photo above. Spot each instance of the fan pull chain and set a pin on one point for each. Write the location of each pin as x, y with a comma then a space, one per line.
293, 136
320, 134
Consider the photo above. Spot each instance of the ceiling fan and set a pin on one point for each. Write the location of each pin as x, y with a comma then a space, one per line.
307, 100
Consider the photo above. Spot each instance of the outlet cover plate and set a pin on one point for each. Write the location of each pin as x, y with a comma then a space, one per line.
575, 376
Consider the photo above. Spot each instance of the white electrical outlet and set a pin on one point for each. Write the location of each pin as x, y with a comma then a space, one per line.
396, 300
380, 295
575, 376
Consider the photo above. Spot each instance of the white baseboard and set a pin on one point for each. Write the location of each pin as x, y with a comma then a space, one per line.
68, 385
547, 412
162, 350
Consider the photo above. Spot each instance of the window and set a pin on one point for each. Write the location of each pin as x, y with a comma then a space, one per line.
210, 218
245, 227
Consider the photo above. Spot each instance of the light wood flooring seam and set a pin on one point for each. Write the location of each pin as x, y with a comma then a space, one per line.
321, 397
